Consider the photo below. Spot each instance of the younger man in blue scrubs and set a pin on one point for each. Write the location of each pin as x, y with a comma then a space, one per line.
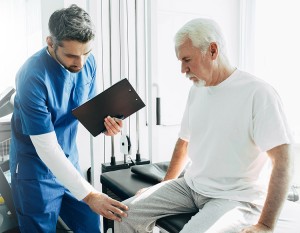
46, 179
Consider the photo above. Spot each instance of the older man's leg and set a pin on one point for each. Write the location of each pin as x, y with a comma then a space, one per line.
219, 215
163, 199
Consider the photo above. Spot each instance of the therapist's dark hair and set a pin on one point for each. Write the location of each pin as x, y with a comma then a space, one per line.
72, 23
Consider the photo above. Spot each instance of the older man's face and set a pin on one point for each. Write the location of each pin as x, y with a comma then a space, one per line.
196, 65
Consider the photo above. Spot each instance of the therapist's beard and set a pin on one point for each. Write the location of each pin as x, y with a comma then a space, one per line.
72, 69
198, 83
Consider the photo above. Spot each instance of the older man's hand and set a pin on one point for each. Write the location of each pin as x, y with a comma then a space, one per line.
258, 228
113, 126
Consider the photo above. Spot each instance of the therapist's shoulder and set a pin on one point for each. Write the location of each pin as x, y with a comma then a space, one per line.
91, 62
90, 68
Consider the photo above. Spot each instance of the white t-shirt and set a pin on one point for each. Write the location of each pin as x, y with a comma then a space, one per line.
229, 128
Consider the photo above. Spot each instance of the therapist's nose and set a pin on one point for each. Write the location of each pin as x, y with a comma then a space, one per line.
80, 61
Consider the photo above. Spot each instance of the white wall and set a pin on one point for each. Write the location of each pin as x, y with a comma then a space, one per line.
20, 36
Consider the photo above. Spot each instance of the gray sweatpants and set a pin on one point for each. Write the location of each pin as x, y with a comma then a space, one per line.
174, 197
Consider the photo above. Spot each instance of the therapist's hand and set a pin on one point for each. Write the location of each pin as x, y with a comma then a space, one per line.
113, 126
109, 208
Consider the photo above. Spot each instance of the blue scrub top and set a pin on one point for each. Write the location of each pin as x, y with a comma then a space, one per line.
46, 93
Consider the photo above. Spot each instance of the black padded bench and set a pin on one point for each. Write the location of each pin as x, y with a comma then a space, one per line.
122, 184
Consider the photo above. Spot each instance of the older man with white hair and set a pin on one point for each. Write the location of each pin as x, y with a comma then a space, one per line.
232, 130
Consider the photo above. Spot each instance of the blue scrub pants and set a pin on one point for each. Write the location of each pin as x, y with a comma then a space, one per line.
39, 202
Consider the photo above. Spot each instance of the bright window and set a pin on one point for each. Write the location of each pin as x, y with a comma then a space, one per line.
20, 36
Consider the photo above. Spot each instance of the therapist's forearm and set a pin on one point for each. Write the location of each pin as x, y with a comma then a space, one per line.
53, 156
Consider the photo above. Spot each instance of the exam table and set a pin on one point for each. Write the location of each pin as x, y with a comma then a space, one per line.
122, 184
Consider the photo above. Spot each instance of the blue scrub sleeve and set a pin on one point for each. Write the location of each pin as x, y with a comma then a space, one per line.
35, 117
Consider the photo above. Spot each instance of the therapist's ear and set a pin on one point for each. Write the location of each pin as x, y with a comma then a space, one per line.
49, 41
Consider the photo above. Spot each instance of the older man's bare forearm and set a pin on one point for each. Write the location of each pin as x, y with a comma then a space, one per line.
178, 161
278, 186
